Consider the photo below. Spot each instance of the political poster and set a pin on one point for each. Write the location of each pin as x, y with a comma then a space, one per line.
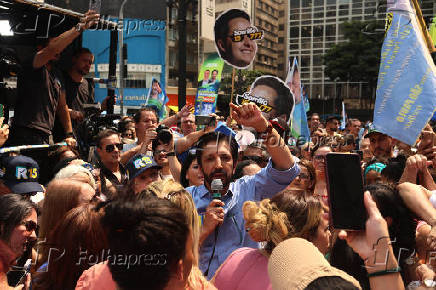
156, 97
209, 79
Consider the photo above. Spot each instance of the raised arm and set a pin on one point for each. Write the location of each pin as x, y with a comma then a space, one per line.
59, 43
249, 115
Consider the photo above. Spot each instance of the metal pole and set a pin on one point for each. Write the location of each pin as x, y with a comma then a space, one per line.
112, 71
120, 51
181, 26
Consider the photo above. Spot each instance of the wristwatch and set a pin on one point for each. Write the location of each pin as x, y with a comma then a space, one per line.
78, 27
172, 153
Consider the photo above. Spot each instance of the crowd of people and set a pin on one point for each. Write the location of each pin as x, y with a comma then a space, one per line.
236, 204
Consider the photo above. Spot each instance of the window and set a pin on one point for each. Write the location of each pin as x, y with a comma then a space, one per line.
331, 2
295, 15
307, 3
305, 61
318, 30
281, 13
281, 27
330, 30
295, 3
319, 2
331, 14
294, 32
317, 60
306, 31
281, 39
318, 15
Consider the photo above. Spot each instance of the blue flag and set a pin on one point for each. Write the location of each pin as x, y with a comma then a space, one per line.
406, 89
344, 117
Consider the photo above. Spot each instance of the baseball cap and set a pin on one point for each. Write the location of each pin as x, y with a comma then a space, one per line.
372, 129
139, 163
296, 262
21, 174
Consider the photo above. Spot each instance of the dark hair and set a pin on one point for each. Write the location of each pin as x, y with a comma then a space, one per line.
151, 229
104, 134
394, 168
348, 139
284, 101
122, 125
403, 227
217, 137
320, 145
185, 167
137, 116
13, 210
221, 28
81, 51
331, 282
239, 171
312, 173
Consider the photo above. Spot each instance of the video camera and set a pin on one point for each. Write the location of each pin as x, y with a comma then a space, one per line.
164, 134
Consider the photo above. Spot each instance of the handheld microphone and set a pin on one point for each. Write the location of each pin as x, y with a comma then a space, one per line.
216, 186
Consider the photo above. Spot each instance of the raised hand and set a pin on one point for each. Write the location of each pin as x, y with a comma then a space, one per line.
249, 115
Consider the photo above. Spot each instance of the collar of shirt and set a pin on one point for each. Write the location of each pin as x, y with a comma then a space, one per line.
112, 178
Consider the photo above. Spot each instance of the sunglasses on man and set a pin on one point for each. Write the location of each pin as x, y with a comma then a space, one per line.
252, 33
111, 147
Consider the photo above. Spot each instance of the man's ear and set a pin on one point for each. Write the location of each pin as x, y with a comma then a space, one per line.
221, 46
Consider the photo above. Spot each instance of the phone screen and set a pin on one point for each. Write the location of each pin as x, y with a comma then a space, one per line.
345, 188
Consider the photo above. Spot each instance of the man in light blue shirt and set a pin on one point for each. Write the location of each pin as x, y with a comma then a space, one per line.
217, 157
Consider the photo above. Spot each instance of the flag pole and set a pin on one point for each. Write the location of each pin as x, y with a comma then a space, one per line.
233, 87
423, 27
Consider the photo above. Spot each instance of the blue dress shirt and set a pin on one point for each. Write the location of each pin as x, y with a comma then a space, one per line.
231, 234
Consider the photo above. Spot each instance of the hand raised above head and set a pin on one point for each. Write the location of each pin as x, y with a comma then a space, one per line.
249, 115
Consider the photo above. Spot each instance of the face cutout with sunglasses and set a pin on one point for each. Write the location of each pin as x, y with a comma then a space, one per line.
261, 103
252, 33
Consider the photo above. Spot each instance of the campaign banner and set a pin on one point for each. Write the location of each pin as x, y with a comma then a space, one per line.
406, 88
209, 80
298, 121
156, 97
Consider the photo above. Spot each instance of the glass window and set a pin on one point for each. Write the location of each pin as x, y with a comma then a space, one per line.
319, 2
330, 30
331, 14
357, 4
343, 12
306, 31
295, 15
318, 30
331, 2
317, 60
317, 75
305, 61
318, 44
318, 15
305, 43
281, 13
294, 32
295, 3
307, 3
316, 21
357, 11
306, 22
293, 46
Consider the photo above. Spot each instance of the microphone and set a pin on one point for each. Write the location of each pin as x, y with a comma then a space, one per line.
216, 186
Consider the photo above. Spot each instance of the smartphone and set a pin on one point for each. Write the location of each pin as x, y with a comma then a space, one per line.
359, 152
204, 121
95, 5
345, 189
17, 275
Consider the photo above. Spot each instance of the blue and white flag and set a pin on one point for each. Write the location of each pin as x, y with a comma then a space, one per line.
344, 117
406, 89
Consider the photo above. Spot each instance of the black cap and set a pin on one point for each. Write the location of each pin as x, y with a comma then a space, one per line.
21, 174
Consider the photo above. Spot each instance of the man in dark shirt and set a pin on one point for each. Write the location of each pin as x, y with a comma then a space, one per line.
112, 172
40, 93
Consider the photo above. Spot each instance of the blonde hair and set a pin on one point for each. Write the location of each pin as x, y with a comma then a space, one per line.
77, 172
174, 191
285, 216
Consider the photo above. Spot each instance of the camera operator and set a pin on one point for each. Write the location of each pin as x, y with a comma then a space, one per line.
40, 93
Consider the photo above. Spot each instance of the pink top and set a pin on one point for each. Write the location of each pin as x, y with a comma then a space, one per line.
245, 268
98, 277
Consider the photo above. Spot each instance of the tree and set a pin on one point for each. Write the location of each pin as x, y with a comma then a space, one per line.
358, 59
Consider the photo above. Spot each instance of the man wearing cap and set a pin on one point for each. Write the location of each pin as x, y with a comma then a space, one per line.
381, 145
112, 172
20, 176
332, 126
142, 170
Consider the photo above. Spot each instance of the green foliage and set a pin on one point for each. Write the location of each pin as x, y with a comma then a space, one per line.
358, 59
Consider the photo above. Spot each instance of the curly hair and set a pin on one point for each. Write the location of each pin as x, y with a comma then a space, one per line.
284, 216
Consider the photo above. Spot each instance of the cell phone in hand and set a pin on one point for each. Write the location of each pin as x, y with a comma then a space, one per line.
204, 121
345, 189
95, 5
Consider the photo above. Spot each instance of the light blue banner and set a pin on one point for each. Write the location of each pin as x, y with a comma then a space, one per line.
406, 89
